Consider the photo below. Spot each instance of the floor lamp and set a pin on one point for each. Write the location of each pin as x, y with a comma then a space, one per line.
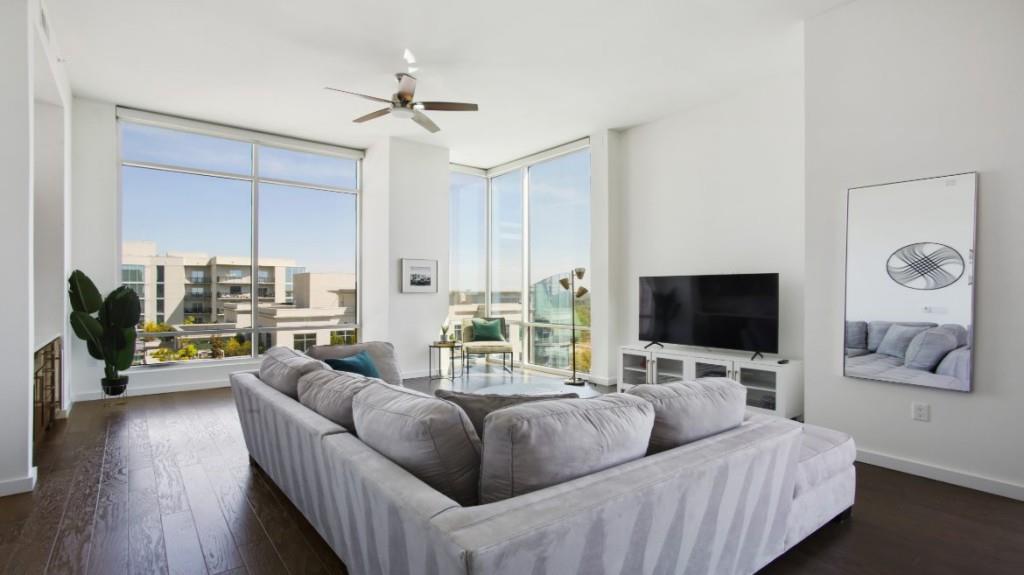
575, 293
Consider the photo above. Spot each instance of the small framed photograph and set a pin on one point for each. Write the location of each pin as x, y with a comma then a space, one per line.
419, 276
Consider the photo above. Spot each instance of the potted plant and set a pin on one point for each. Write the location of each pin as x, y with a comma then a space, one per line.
110, 334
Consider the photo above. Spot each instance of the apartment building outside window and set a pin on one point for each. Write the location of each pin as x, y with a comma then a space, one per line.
242, 270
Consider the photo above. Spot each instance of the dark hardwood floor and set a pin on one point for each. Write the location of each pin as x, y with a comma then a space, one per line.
155, 484
162, 484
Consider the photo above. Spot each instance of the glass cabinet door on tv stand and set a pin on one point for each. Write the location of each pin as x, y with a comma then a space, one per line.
772, 387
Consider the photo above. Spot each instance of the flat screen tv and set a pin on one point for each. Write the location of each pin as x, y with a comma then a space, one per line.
739, 311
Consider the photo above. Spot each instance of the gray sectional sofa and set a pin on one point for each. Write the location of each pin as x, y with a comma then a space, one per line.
926, 354
725, 503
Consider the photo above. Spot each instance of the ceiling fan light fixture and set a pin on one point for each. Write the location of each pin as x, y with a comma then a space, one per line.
404, 113
419, 106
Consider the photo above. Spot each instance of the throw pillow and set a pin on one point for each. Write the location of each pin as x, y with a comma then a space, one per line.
897, 339
487, 330
382, 352
330, 393
692, 410
477, 406
282, 367
430, 438
928, 348
360, 363
544, 443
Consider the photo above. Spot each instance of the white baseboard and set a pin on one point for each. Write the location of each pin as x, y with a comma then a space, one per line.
134, 391
18, 484
969, 480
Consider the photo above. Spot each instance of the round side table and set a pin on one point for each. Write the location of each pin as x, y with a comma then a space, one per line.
453, 348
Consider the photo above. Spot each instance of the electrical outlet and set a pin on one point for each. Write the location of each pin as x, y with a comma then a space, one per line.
921, 411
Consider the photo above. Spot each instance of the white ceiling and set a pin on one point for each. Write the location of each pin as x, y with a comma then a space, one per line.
543, 72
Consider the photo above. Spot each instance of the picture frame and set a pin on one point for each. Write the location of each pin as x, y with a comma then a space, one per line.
419, 276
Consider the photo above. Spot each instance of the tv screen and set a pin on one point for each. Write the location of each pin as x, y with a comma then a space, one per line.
738, 311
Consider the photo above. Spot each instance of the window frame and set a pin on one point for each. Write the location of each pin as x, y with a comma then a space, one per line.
255, 140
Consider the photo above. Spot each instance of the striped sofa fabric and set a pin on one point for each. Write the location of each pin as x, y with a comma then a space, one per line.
721, 505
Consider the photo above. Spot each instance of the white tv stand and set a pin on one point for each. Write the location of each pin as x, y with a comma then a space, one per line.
772, 387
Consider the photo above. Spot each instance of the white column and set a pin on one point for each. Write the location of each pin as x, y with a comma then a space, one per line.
604, 146
16, 58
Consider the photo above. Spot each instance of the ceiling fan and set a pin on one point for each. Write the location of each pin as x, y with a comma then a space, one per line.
401, 104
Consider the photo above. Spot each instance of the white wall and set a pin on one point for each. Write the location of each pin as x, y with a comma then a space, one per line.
27, 55
717, 189
95, 216
418, 200
605, 294
16, 471
907, 89
48, 223
883, 219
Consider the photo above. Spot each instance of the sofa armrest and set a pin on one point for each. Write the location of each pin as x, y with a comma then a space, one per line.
719, 505
383, 514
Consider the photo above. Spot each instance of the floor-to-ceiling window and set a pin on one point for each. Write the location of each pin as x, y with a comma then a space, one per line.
467, 235
506, 257
536, 214
217, 222
559, 242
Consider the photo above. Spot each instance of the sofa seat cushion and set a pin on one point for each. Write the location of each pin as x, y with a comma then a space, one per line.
487, 347
381, 352
478, 405
330, 393
823, 454
282, 367
430, 438
692, 410
544, 443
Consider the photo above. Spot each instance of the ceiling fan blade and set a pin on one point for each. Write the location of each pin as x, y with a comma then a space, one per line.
406, 86
421, 119
447, 106
372, 115
373, 98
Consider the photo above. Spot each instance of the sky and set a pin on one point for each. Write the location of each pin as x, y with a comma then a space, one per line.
317, 228
559, 223
211, 215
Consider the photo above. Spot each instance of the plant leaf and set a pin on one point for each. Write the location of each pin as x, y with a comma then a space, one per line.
122, 308
126, 353
83, 293
90, 330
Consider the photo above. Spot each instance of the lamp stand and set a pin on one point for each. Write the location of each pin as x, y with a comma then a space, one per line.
572, 297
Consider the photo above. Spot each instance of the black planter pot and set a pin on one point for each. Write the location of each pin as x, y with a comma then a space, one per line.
114, 386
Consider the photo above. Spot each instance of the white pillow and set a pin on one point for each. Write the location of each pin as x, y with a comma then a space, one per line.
692, 410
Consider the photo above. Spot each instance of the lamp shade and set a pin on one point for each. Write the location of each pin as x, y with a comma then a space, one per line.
580, 272
564, 282
581, 291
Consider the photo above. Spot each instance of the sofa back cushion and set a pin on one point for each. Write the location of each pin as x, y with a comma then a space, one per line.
897, 339
857, 334
428, 437
692, 410
878, 329
381, 352
477, 406
282, 367
543, 443
330, 393
957, 330
928, 348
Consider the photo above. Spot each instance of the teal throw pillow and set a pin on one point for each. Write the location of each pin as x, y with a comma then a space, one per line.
487, 330
360, 363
